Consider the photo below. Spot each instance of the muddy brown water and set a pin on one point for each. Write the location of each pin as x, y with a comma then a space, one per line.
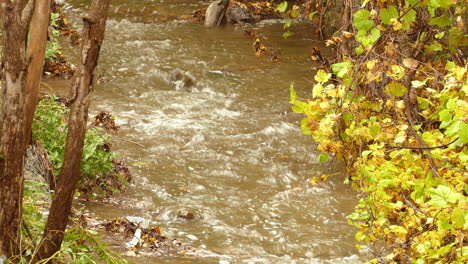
226, 149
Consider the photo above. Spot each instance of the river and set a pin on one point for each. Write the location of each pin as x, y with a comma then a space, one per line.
227, 149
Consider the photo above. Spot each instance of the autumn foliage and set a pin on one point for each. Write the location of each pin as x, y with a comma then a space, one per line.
395, 109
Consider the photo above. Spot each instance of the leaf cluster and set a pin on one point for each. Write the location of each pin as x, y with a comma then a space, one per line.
396, 112
50, 129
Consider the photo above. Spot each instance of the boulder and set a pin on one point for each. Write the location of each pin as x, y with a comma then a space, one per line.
236, 14
215, 14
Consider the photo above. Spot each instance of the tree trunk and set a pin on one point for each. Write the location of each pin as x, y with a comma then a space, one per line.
346, 25
16, 16
93, 34
36, 53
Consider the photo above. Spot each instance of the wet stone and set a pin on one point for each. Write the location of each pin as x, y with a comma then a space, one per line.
138, 221
186, 215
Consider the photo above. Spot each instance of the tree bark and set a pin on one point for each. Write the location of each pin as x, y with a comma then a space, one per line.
16, 17
35, 54
82, 83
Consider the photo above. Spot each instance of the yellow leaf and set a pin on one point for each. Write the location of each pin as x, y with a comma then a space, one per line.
329, 42
370, 64
397, 72
401, 105
410, 63
396, 24
400, 138
314, 180
347, 34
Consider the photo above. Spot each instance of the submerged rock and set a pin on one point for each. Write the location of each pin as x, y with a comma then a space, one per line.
237, 14
186, 215
182, 81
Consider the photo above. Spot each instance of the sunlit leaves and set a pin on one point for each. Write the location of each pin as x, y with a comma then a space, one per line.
362, 117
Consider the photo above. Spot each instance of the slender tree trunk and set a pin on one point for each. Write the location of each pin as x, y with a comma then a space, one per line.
36, 53
346, 25
16, 16
93, 35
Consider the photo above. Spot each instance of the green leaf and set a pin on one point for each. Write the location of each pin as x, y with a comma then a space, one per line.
374, 130
436, 46
361, 21
359, 50
368, 39
443, 224
453, 128
323, 157
460, 218
440, 3
287, 34
287, 23
322, 76
440, 35
317, 90
396, 89
311, 15
457, 38
299, 107
282, 7
409, 18
443, 196
341, 69
445, 115
463, 133
423, 103
441, 21
292, 93
386, 15
305, 126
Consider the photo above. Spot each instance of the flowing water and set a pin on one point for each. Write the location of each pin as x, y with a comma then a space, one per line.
206, 129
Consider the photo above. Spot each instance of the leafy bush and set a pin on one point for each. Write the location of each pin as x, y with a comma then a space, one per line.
50, 129
395, 110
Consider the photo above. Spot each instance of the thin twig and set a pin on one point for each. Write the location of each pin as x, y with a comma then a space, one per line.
28, 231
435, 147
414, 207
